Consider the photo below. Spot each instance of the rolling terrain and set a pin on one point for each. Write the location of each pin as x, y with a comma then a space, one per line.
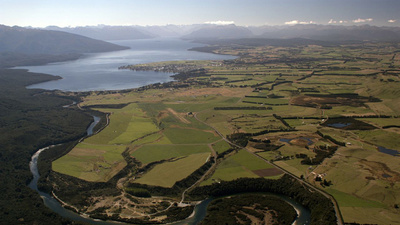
314, 120
324, 114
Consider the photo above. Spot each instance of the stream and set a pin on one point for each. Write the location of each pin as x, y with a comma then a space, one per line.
197, 216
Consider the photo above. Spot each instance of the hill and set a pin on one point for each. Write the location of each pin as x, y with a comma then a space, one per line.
219, 32
25, 46
329, 32
212, 31
106, 33
35, 41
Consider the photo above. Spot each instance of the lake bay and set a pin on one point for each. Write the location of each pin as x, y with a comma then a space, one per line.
98, 72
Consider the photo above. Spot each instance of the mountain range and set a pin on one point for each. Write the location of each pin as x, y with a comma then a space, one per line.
36, 41
33, 46
27, 46
211, 31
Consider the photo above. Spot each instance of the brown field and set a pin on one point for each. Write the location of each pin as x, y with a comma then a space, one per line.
178, 116
328, 100
380, 170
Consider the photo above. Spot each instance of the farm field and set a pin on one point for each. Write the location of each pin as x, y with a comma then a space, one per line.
175, 170
242, 164
151, 153
328, 118
91, 162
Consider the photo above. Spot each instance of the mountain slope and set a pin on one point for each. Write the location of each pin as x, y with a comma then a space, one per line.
219, 32
330, 32
35, 41
107, 33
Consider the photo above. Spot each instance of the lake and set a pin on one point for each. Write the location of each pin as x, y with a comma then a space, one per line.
98, 72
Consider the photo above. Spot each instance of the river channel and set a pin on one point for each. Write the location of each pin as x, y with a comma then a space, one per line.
197, 216
100, 72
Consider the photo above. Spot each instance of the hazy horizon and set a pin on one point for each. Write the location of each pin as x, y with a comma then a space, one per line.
75, 13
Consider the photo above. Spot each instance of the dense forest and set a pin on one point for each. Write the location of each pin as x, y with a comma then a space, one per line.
249, 209
30, 119
322, 211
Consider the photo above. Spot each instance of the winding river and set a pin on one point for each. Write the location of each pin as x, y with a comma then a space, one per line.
99, 72
198, 214
49, 200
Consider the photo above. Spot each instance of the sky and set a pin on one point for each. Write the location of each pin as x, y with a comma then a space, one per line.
42, 13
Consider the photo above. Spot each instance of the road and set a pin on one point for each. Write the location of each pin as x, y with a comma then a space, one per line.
335, 204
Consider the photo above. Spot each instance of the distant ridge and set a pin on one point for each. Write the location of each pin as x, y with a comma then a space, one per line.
25, 46
219, 32
266, 41
198, 32
330, 32
106, 33
35, 41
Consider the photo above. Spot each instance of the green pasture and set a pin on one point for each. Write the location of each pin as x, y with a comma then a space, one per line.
291, 110
190, 136
250, 161
382, 108
135, 130
228, 171
383, 138
223, 127
252, 123
126, 125
151, 153
119, 122
292, 150
269, 155
364, 215
349, 177
221, 146
348, 200
294, 166
267, 101
199, 103
346, 110
162, 141
91, 162
383, 121
174, 171
384, 90
239, 165
149, 139
332, 80
151, 109
341, 91
191, 107
337, 134
112, 153
302, 122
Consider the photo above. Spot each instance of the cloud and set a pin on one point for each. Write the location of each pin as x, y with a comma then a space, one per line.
331, 21
362, 20
294, 22
220, 22
391, 21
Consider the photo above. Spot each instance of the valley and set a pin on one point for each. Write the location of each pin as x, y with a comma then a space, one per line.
325, 114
